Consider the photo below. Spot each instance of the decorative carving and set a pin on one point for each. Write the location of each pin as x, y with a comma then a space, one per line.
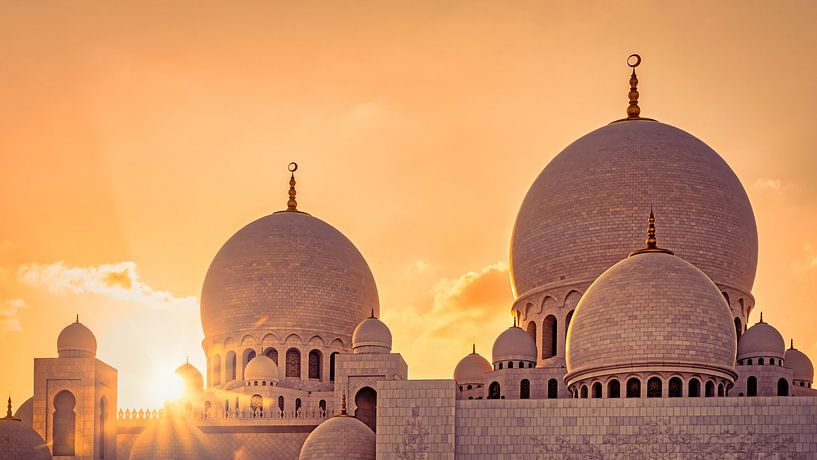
293, 363
414, 445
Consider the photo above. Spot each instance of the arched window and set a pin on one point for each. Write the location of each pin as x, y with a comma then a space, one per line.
597, 390
500, 365
633, 388
567, 321
760, 361
694, 388
749, 361
469, 387
65, 421
524, 389
493, 390
738, 328
584, 392
246, 357
710, 389
675, 387
751, 386
720, 390
366, 411
510, 364
549, 342
272, 354
297, 407
103, 414
281, 403
322, 405
293, 363
257, 406
314, 364
654, 387
521, 365
771, 361
613, 389
553, 389
332, 366
229, 366
215, 370
532, 330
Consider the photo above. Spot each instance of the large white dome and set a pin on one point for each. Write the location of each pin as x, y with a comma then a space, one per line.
651, 312
342, 436
599, 187
287, 272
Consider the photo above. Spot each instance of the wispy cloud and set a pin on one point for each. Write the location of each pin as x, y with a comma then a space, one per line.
8, 314
120, 281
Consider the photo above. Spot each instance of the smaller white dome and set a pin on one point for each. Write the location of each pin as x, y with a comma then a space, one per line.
19, 441
193, 381
371, 336
76, 341
471, 369
761, 340
514, 345
797, 361
261, 368
342, 436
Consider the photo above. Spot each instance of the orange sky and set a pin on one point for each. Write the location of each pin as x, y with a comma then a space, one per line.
137, 137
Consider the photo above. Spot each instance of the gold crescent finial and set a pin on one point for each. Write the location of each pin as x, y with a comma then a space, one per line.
292, 203
343, 405
633, 110
652, 242
9, 416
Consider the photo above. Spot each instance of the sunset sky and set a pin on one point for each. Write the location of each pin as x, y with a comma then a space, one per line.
136, 137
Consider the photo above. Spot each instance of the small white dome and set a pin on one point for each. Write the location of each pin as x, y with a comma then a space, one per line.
76, 340
471, 369
261, 368
371, 336
342, 436
193, 381
514, 345
797, 361
761, 340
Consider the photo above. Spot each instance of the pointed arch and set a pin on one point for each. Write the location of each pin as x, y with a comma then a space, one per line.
64, 424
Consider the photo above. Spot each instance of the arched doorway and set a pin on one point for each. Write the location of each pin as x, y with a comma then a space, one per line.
782, 387
366, 403
65, 421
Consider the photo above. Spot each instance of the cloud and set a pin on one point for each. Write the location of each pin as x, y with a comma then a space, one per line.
456, 312
8, 314
120, 281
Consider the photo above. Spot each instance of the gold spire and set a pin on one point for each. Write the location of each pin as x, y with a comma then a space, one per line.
343, 407
761, 317
473, 348
633, 110
292, 204
8, 412
652, 243
792, 344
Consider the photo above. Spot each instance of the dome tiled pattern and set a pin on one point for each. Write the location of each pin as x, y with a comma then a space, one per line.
340, 437
261, 368
585, 209
797, 361
21, 442
287, 272
471, 369
371, 336
172, 438
76, 340
514, 344
655, 310
761, 340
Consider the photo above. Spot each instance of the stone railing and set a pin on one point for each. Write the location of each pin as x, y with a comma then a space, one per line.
144, 416
137, 417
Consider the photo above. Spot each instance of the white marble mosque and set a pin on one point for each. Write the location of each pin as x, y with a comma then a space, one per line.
618, 349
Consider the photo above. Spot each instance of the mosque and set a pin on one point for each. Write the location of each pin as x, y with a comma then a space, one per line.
618, 348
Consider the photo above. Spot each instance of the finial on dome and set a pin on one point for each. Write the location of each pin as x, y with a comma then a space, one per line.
292, 204
761, 317
633, 110
77, 317
652, 242
343, 405
9, 416
473, 348
372, 316
792, 344
514, 321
